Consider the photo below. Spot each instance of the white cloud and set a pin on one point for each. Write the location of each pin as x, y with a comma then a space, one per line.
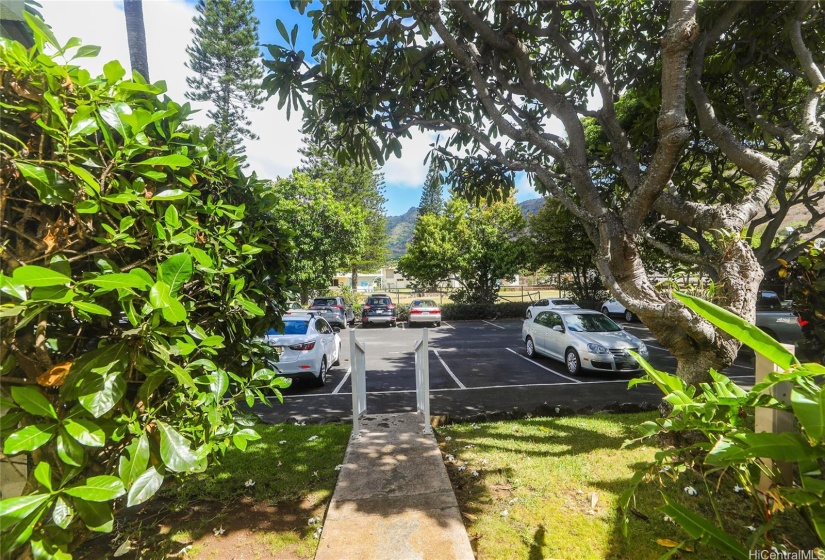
409, 170
168, 32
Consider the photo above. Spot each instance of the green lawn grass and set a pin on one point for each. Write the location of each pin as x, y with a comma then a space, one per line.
548, 488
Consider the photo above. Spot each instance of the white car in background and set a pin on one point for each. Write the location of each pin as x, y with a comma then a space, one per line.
582, 339
612, 308
550, 303
424, 311
307, 346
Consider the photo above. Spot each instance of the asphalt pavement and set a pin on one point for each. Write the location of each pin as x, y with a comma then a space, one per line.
479, 370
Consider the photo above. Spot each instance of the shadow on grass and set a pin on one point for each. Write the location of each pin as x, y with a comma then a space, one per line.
266, 494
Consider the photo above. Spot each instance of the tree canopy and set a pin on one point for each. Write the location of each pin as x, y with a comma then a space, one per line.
225, 58
519, 87
478, 246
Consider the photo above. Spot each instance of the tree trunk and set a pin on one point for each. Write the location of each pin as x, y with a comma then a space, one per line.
136, 36
354, 279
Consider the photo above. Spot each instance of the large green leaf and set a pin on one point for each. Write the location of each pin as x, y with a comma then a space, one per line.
117, 280
134, 460
811, 414
32, 401
85, 432
43, 474
176, 271
113, 71
101, 393
12, 287
53, 294
69, 450
743, 447
113, 115
63, 513
703, 530
96, 515
15, 510
750, 335
92, 365
38, 276
29, 438
92, 308
171, 194
160, 297
21, 532
175, 450
174, 161
144, 487
51, 187
102, 488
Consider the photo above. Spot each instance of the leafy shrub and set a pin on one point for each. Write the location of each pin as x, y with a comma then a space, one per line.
805, 278
717, 420
470, 311
137, 266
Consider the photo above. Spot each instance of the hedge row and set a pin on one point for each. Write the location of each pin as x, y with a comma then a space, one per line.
469, 311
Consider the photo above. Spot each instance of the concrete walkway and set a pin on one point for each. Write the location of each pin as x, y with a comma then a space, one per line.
393, 499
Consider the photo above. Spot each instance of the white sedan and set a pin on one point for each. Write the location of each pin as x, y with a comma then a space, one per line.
550, 303
613, 308
307, 346
424, 311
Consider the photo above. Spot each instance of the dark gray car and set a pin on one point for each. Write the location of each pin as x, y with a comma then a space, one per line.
334, 309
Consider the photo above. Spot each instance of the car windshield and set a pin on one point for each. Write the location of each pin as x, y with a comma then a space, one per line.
424, 303
590, 322
562, 302
291, 327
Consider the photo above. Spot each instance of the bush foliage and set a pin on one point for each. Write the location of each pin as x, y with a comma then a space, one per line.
137, 266
470, 311
716, 421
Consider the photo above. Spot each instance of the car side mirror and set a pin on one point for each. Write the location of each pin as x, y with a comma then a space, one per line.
558, 328
336, 330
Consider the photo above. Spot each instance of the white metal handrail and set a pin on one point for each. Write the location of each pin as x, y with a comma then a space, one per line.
422, 379
358, 363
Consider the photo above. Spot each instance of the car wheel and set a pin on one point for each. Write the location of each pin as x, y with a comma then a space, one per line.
436, 325
571, 360
393, 325
322, 374
531, 348
605, 311
338, 359
629, 316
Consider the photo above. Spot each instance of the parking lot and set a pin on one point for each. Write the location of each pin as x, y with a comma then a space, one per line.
475, 367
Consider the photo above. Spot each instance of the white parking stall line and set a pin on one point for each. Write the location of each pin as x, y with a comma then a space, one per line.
344, 380
443, 363
542, 367
496, 326
446, 324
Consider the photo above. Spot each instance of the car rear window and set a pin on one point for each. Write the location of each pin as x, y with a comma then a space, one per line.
324, 301
424, 303
291, 327
378, 301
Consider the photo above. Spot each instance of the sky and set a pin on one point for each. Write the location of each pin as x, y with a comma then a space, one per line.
168, 24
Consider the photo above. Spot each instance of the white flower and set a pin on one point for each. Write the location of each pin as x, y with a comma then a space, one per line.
558, 409
312, 521
468, 446
690, 491
283, 441
461, 468
313, 438
504, 513
449, 458
476, 427
668, 519
514, 500
448, 438
579, 491
737, 488
339, 467
249, 483
219, 532
300, 423
475, 474
664, 469
317, 533
751, 528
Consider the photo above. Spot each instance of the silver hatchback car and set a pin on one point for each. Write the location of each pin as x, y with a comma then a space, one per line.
582, 339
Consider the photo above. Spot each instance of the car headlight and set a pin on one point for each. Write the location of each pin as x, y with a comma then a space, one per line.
642, 347
597, 348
